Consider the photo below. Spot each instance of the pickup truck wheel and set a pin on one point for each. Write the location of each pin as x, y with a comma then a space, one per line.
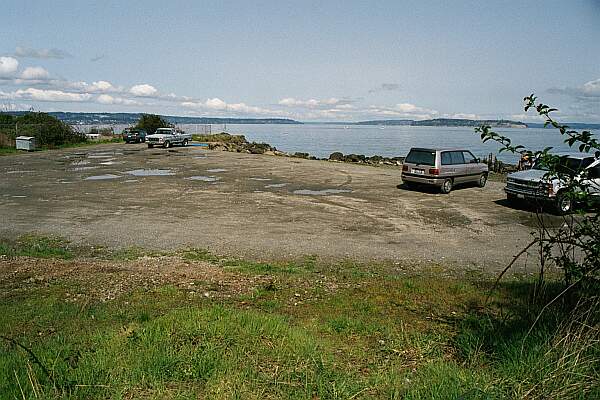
184, 143
482, 180
563, 204
446, 186
167, 144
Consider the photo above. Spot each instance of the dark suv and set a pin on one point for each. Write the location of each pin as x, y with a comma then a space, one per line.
134, 135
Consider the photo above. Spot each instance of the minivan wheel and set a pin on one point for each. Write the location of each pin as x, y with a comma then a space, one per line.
563, 204
482, 180
446, 186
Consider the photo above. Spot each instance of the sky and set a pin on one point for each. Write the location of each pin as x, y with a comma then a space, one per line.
305, 60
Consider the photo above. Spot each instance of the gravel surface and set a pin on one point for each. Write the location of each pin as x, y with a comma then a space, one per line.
254, 206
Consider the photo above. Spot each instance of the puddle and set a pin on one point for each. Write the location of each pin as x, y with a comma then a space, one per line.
323, 192
130, 181
216, 170
111, 162
200, 157
80, 162
101, 177
204, 178
150, 172
260, 179
276, 185
19, 172
19, 197
103, 155
83, 168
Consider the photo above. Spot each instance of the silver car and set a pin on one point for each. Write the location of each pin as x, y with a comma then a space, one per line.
443, 168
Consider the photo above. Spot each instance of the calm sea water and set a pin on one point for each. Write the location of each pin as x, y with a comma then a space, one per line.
390, 141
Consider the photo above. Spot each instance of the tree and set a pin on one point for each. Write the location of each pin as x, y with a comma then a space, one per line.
151, 122
48, 130
574, 246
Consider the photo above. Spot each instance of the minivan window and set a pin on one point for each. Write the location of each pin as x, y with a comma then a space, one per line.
424, 157
446, 160
457, 157
469, 158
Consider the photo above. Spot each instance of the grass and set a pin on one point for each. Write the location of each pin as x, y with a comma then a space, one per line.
39, 246
313, 330
12, 150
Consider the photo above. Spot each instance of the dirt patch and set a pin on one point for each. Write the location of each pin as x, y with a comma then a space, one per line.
94, 280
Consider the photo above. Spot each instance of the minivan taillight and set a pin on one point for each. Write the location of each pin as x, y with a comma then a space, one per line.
405, 168
434, 171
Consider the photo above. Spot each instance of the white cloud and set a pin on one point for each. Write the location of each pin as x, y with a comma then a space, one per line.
34, 73
143, 90
48, 95
8, 66
41, 53
592, 88
313, 103
222, 107
108, 99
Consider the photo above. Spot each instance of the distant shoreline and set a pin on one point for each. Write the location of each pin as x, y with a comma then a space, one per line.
86, 118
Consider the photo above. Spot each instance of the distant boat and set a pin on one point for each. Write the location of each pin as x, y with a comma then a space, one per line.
285, 133
346, 127
382, 127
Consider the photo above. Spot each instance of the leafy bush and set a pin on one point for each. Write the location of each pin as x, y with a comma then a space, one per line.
48, 130
575, 245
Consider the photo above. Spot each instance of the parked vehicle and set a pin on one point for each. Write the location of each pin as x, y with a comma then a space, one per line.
131, 135
535, 185
167, 137
443, 168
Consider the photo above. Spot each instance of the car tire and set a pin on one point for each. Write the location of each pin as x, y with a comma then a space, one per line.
447, 186
150, 145
184, 143
167, 144
563, 204
482, 180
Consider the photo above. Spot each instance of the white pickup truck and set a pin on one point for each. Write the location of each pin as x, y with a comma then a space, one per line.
167, 137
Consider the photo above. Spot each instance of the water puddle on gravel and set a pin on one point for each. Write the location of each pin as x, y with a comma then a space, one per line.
324, 192
103, 155
150, 172
260, 179
101, 177
276, 185
80, 162
216, 170
204, 178
111, 162
83, 168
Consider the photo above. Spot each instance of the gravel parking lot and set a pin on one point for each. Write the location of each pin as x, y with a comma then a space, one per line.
257, 206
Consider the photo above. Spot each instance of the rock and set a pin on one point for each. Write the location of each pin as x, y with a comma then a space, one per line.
301, 155
336, 156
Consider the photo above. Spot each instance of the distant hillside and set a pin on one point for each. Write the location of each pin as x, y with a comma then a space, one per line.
80, 118
447, 122
574, 125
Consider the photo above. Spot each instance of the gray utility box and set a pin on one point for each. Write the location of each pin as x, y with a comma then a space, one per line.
26, 143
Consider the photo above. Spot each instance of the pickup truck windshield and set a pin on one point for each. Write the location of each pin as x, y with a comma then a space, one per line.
566, 166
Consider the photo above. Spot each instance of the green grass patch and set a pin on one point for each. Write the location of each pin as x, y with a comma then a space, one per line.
300, 330
32, 245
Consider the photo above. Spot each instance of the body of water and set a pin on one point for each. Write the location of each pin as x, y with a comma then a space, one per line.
390, 141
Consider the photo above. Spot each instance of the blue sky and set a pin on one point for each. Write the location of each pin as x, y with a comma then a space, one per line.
307, 60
